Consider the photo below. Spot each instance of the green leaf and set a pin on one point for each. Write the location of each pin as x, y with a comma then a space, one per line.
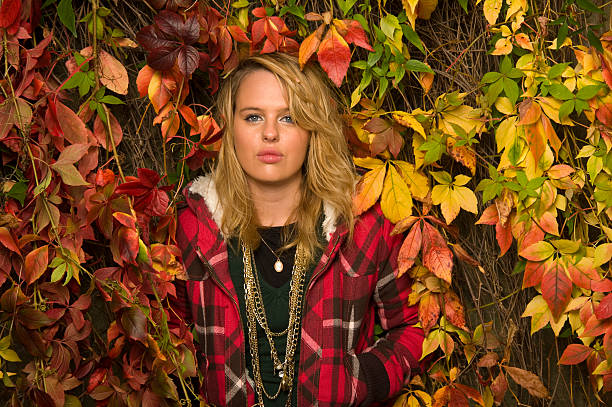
346, 5
511, 89
384, 84
42, 185
58, 273
416, 66
359, 64
463, 4
388, 25
594, 41
557, 70
413, 37
566, 109
240, 4
373, 57
560, 92
65, 13
562, 35
490, 77
581, 105
515, 73
506, 65
442, 177
588, 6
112, 100
75, 80
588, 92
18, 191
494, 90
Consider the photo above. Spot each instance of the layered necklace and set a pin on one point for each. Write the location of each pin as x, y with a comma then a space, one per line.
256, 315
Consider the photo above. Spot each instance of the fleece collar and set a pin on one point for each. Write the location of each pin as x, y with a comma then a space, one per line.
205, 187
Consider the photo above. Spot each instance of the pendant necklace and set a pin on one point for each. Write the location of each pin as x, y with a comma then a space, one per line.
278, 264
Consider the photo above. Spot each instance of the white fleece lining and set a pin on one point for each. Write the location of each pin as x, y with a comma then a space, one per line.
205, 187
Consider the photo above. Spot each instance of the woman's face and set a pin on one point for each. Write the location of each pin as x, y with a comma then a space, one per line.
270, 146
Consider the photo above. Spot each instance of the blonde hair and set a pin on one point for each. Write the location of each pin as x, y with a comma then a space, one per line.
328, 171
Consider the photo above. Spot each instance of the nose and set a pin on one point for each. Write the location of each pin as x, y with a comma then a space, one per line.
270, 131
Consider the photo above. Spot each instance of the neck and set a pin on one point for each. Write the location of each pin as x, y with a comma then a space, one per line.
275, 205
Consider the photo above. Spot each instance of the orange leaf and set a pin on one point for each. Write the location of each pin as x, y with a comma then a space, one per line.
462, 154
310, 45
548, 223
426, 80
574, 354
170, 126
429, 310
36, 263
8, 241
437, 257
334, 56
583, 273
353, 33
470, 392
528, 380
523, 41
368, 189
189, 117
605, 71
453, 310
556, 289
410, 249
529, 112
538, 251
551, 135
489, 216
72, 126
595, 326
113, 74
442, 396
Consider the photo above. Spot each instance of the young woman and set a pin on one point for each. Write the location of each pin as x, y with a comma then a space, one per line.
284, 285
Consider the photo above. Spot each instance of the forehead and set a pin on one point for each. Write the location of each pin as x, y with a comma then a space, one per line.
260, 87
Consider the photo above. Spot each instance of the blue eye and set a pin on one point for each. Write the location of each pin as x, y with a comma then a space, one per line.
252, 118
287, 119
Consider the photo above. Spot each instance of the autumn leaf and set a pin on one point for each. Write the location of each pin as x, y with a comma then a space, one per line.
528, 380
387, 136
429, 310
534, 272
310, 45
100, 132
538, 251
604, 309
574, 354
453, 310
353, 33
452, 195
416, 180
368, 189
334, 56
36, 263
410, 249
396, 199
491, 10
437, 257
111, 72
556, 289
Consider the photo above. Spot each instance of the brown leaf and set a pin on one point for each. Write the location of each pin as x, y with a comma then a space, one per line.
429, 310
499, 386
529, 381
36, 263
490, 359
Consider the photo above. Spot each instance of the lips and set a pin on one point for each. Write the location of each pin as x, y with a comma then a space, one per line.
269, 156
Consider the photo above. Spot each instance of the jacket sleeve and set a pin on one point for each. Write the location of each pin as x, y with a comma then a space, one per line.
398, 351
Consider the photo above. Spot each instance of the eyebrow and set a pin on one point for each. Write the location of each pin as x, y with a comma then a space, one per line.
258, 109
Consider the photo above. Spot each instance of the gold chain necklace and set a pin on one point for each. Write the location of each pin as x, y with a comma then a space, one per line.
256, 314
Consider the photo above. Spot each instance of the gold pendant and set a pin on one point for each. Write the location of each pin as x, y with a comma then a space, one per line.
278, 266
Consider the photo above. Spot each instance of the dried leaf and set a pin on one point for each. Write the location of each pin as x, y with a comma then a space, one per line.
528, 380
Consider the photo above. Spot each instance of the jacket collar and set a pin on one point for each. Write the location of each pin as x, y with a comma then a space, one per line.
205, 188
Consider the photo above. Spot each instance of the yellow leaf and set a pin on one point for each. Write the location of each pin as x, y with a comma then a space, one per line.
410, 5
516, 6
409, 121
419, 155
463, 116
535, 306
368, 189
416, 181
412, 402
396, 200
368, 162
449, 202
491, 10
426, 7
503, 46
425, 398
504, 105
551, 107
505, 133
461, 180
400, 401
466, 199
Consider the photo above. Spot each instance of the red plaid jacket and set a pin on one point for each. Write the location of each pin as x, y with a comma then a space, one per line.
353, 282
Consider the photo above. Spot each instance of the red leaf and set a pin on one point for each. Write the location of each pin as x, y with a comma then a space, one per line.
604, 309
128, 244
437, 257
163, 58
143, 79
503, 235
490, 359
556, 289
36, 263
602, 286
499, 386
125, 219
134, 321
9, 11
353, 33
151, 39
605, 71
7, 240
409, 250
429, 310
534, 271
188, 59
604, 114
334, 56
73, 128
100, 132
574, 354
595, 327
259, 12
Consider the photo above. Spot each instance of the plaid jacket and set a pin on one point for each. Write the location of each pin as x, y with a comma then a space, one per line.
353, 282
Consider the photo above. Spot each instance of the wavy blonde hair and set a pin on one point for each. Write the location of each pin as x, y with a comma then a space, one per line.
328, 171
